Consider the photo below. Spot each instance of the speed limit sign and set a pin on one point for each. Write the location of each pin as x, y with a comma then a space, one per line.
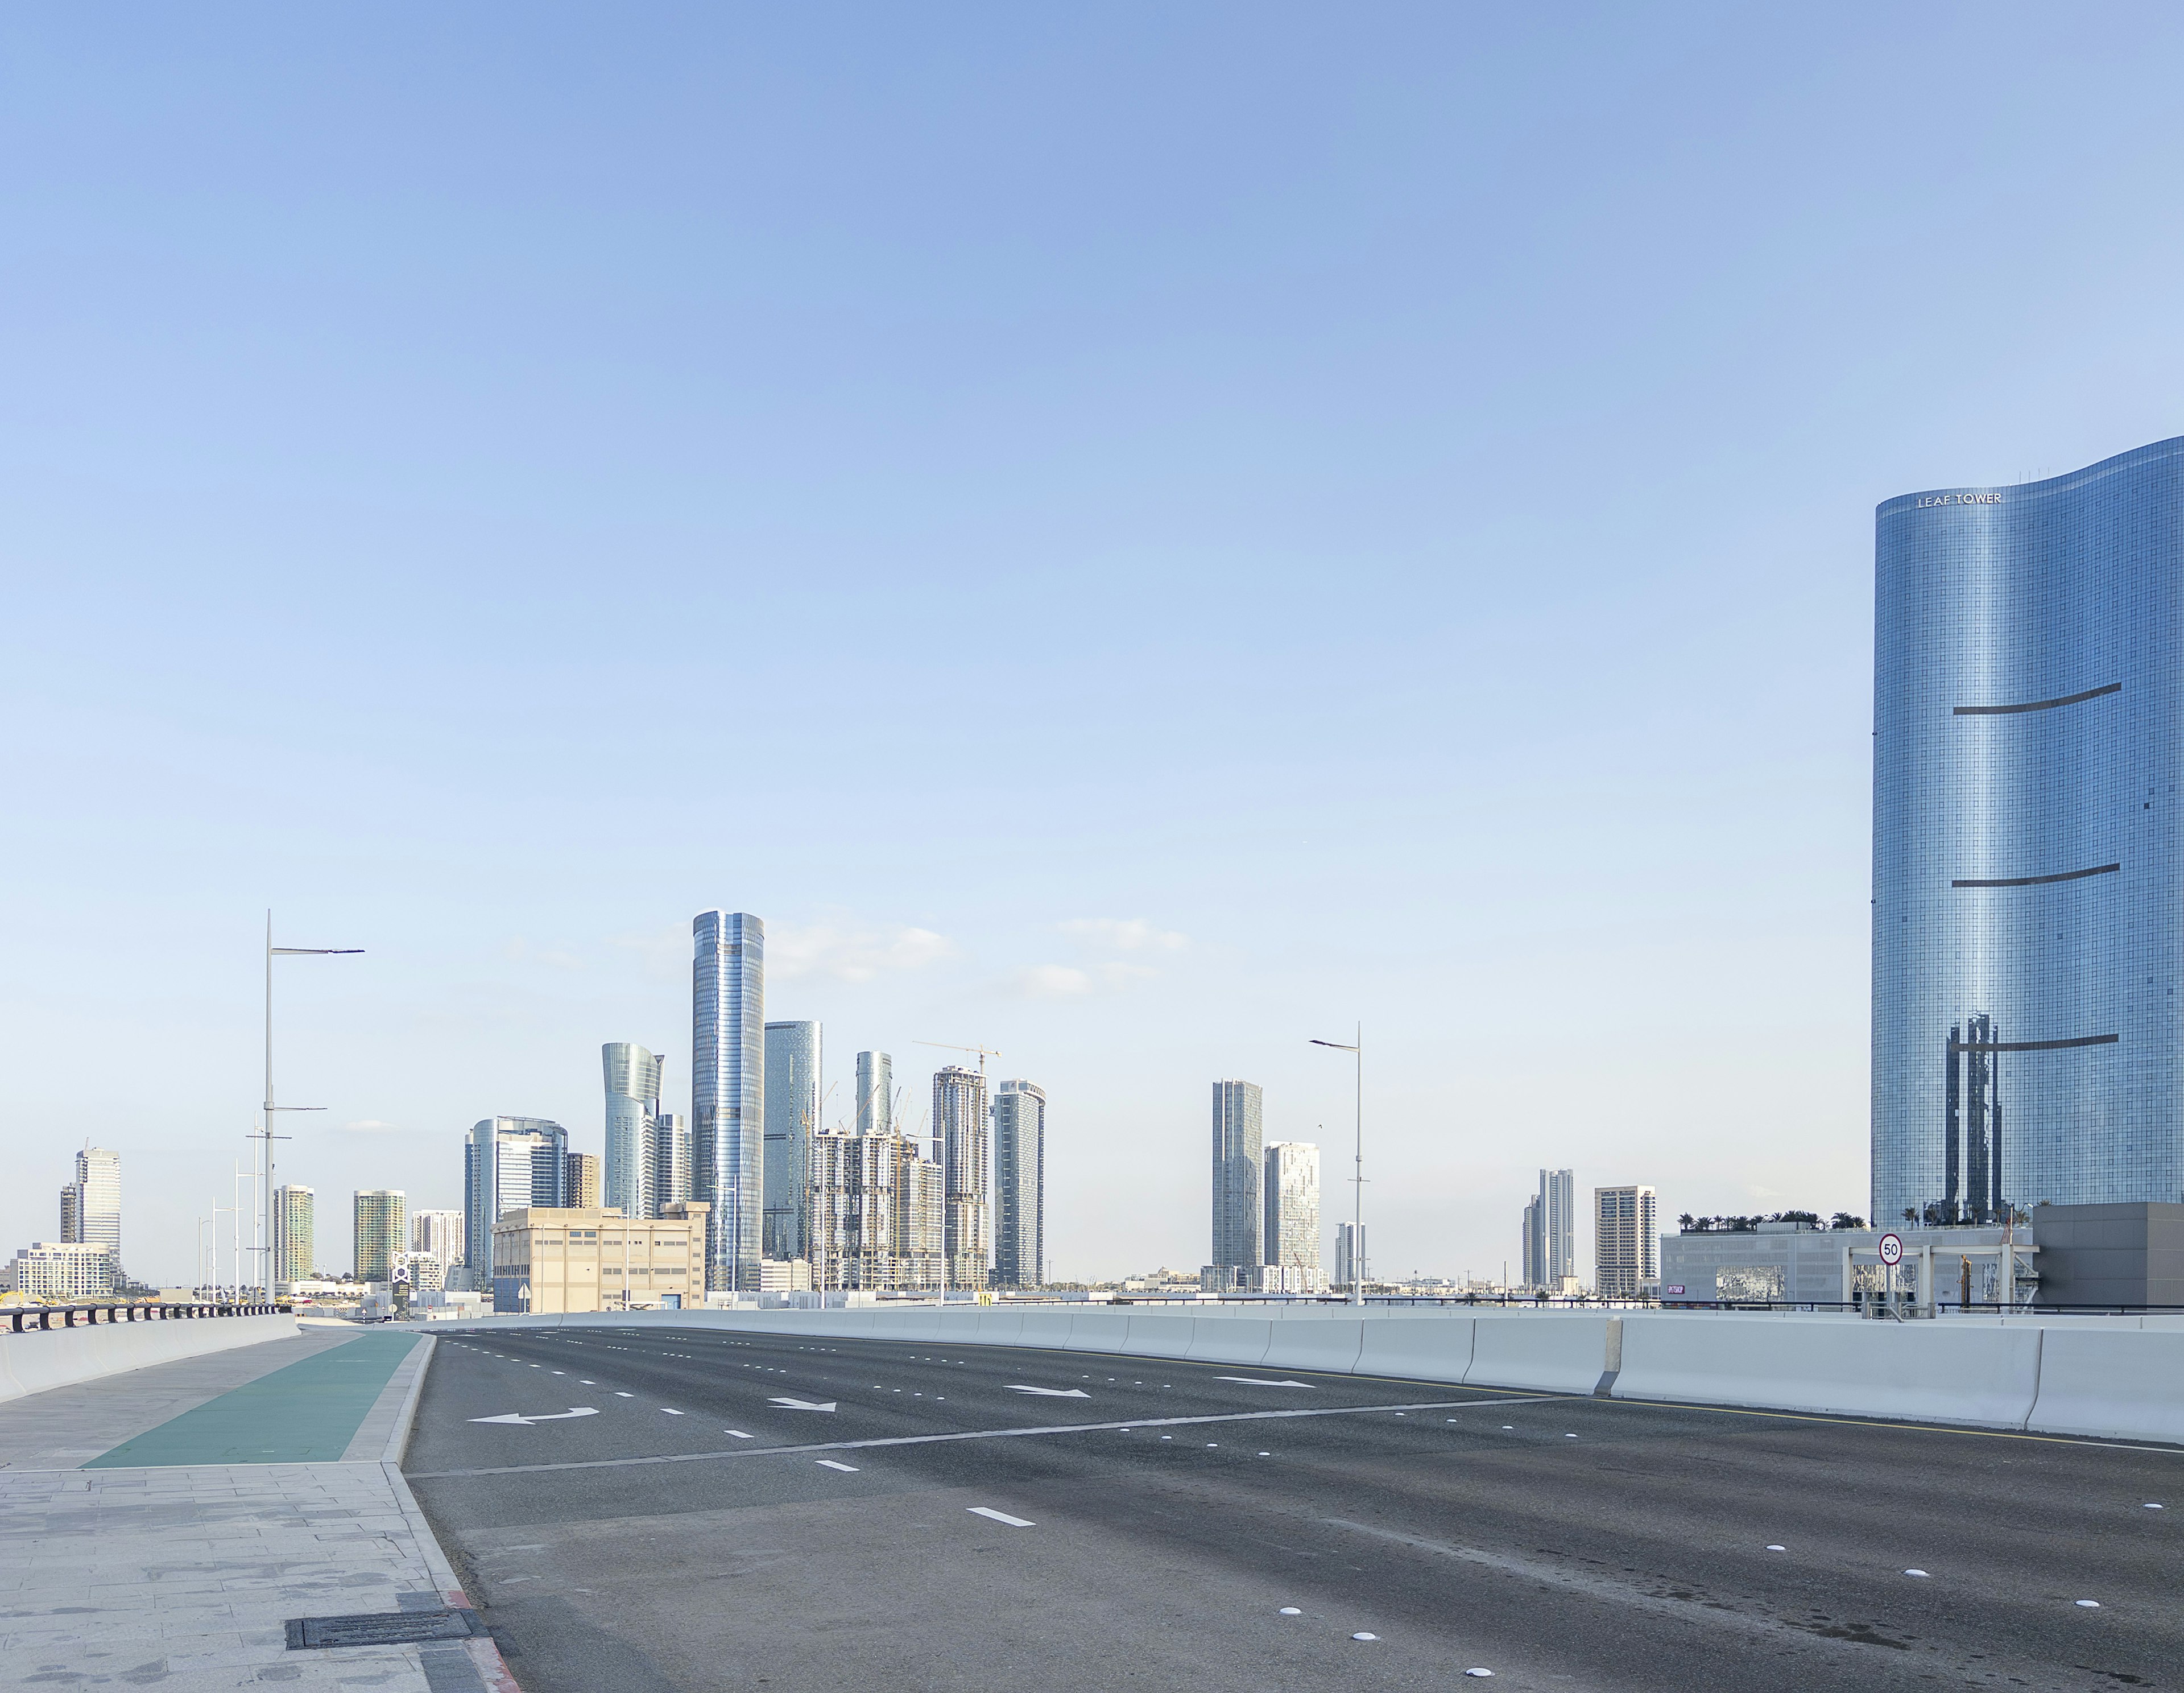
1892, 1249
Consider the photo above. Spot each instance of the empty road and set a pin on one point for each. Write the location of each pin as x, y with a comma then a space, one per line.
696, 1511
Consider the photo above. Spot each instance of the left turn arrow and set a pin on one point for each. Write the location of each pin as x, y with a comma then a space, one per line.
543, 1417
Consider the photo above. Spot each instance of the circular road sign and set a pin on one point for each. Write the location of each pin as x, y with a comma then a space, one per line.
1892, 1249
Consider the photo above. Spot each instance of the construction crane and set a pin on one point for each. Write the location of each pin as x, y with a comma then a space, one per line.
983, 1052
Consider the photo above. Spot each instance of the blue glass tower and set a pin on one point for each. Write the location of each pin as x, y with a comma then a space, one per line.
727, 1094
2028, 884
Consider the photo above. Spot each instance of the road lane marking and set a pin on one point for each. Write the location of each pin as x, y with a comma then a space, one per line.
1257, 1382
829, 1464
555, 1416
803, 1404
1049, 1393
972, 1434
737, 1432
987, 1512
663, 1412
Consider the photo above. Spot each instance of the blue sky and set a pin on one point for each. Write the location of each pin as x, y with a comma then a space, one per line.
1136, 536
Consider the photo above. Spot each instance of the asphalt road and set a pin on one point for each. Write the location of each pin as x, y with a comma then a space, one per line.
810, 1517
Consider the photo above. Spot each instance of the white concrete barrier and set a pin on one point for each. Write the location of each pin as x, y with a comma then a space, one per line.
1230, 1340
62, 1357
1327, 1344
1047, 1328
1548, 1352
2122, 1386
1433, 1350
1156, 1335
1929, 1371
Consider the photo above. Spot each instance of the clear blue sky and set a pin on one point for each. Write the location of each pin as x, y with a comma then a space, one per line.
1137, 535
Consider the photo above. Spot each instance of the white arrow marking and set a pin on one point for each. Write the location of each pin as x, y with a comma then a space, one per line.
803, 1404
986, 1511
552, 1417
1257, 1382
1051, 1392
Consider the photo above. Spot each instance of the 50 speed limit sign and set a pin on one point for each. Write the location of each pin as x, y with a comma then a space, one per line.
1892, 1249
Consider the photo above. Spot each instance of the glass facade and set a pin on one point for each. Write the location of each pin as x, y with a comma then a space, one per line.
792, 1062
2027, 929
875, 1093
1019, 1185
1237, 1148
510, 1163
382, 1225
295, 1233
632, 1075
727, 1094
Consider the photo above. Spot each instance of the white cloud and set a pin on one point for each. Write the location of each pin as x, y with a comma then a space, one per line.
1124, 934
849, 951
522, 952
1052, 981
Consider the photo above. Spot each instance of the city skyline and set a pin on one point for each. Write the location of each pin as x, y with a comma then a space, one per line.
1502, 470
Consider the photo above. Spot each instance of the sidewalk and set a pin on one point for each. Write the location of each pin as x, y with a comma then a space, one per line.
127, 1560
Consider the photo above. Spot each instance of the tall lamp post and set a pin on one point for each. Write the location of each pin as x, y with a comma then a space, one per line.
1358, 1180
264, 1245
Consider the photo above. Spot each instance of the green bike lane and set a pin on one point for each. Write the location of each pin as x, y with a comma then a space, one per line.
310, 1411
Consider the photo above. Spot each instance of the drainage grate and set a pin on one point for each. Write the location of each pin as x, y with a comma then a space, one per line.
383, 1629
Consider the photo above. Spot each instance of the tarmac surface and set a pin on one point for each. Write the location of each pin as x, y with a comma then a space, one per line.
693, 1510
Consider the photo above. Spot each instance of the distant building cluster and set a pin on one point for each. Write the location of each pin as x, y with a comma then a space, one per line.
1265, 1203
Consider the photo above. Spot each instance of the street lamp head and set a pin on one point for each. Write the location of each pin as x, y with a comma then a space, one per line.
1339, 1046
312, 952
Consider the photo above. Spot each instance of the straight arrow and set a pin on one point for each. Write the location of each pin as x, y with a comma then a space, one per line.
803, 1403
1258, 1381
1051, 1392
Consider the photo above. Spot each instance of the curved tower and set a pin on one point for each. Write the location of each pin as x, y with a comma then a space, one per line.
2028, 916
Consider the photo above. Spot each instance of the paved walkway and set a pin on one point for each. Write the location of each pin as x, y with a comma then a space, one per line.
180, 1516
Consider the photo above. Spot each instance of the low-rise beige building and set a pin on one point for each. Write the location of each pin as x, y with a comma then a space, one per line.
595, 1259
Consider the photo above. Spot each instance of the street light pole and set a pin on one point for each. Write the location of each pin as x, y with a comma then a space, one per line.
1357, 1225
263, 1247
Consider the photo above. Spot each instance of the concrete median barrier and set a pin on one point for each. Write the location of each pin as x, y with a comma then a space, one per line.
1547, 1352
1323, 1343
1157, 1335
1930, 1372
1421, 1348
62, 1358
1230, 1340
2119, 1386
1048, 1329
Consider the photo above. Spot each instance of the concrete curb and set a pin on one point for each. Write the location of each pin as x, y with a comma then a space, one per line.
485, 1655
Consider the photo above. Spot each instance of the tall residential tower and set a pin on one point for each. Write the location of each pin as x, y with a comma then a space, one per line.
632, 1075
960, 1125
793, 1063
1237, 1194
1019, 1185
727, 1094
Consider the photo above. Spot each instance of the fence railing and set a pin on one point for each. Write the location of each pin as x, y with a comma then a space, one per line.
36, 1319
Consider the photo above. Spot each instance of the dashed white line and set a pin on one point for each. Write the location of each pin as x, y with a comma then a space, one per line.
829, 1464
1002, 1517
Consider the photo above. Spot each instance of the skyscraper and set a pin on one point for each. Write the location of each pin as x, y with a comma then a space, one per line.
1289, 1231
2028, 842
671, 1163
295, 1233
1237, 1218
583, 1183
960, 1125
727, 1093
1626, 1240
633, 1077
380, 1225
793, 1065
1533, 1257
1557, 1228
1019, 1185
509, 1163
438, 1232
1351, 1264
91, 1205
875, 1093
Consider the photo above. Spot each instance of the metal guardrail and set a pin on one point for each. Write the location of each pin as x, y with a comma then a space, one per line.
37, 1319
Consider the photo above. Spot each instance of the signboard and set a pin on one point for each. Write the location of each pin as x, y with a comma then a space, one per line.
1674, 1287
1892, 1249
